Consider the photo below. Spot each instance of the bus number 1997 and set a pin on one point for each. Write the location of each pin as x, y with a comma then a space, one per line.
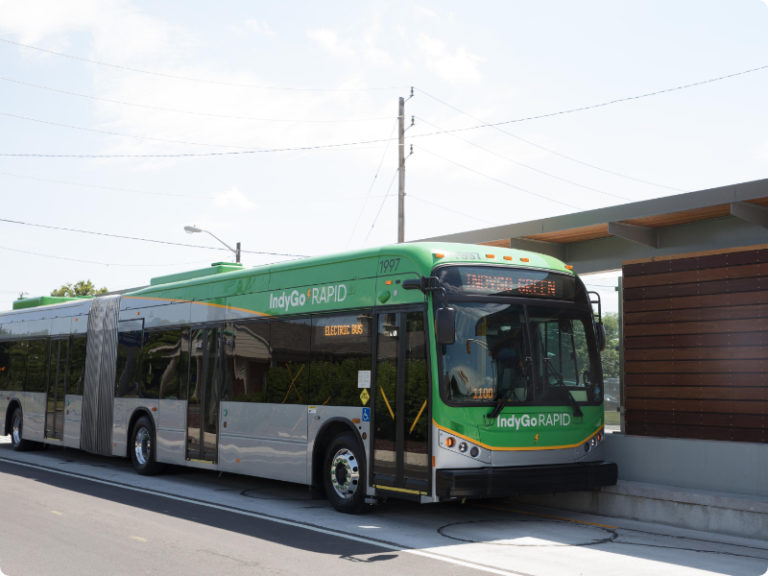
388, 265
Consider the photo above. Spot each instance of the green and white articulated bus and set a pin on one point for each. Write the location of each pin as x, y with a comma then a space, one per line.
425, 371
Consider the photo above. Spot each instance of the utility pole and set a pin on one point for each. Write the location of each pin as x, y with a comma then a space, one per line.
401, 171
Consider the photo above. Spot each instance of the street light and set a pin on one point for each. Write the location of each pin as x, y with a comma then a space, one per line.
195, 229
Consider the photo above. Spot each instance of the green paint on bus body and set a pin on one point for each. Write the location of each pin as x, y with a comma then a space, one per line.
328, 283
357, 280
521, 427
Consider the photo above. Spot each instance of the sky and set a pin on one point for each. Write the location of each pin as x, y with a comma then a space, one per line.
274, 123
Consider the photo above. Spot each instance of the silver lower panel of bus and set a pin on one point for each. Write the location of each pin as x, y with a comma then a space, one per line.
267, 440
32, 408
73, 413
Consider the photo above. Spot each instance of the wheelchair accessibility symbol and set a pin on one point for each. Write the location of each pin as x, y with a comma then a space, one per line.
366, 414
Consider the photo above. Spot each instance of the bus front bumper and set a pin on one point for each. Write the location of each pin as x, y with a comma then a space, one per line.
502, 482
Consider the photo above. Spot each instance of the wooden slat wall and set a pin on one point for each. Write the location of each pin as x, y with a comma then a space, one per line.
696, 346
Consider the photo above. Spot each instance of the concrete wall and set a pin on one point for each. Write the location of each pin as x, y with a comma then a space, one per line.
733, 467
695, 484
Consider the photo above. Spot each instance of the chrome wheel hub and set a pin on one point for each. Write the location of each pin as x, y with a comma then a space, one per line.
142, 446
16, 429
345, 473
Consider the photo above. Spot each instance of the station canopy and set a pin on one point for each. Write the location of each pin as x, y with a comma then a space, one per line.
599, 240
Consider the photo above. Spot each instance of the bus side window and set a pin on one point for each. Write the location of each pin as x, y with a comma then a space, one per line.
341, 349
247, 360
128, 362
18, 364
76, 368
288, 376
37, 366
5, 364
162, 369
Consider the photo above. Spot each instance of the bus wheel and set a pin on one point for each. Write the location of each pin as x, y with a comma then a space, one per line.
344, 474
17, 425
142, 447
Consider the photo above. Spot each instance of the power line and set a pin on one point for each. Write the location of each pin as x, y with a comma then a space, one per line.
192, 78
604, 104
381, 206
119, 134
499, 181
448, 209
191, 112
81, 261
373, 182
104, 187
554, 152
123, 190
529, 167
199, 154
122, 237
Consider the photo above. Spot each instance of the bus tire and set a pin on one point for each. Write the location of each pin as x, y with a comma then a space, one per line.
143, 448
17, 428
344, 474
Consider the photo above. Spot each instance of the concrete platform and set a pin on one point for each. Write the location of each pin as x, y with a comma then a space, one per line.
712, 486
723, 513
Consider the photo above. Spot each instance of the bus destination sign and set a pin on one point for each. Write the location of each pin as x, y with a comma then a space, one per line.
507, 282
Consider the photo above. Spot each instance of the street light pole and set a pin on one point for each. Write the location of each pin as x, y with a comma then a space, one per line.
195, 229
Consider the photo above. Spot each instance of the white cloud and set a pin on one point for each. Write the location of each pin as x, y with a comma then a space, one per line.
328, 40
259, 28
375, 55
457, 67
118, 30
233, 198
33, 21
425, 12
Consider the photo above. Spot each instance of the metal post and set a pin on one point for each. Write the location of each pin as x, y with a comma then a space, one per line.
237, 253
401, 170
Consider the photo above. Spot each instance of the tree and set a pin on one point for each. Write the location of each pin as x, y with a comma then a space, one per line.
610, 356
81, 288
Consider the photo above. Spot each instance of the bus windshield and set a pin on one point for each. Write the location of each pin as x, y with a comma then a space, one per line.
520, 354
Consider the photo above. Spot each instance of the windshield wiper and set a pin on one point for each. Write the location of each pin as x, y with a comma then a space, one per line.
500, 403
572, 401
549, 369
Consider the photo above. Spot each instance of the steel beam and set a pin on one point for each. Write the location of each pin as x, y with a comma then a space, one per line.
559, 251
640, 234
752, 213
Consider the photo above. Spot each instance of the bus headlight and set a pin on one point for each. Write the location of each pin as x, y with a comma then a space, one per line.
594, 442
463, 447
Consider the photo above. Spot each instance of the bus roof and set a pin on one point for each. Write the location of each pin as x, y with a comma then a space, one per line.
424, 255
418, 258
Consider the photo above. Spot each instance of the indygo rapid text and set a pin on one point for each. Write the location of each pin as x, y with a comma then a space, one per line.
548, 420
288, 300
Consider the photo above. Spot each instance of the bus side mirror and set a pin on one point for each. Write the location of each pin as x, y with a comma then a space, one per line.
600, 335
446, 325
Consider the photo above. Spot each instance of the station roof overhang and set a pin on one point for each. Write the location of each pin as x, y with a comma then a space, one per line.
599, 240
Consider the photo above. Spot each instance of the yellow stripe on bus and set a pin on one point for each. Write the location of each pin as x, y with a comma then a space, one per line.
516, 448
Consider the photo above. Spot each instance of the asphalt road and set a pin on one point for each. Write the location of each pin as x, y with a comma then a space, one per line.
63, 525
63, 512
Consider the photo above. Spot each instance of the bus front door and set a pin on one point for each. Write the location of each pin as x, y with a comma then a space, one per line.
401, 408
203, 395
